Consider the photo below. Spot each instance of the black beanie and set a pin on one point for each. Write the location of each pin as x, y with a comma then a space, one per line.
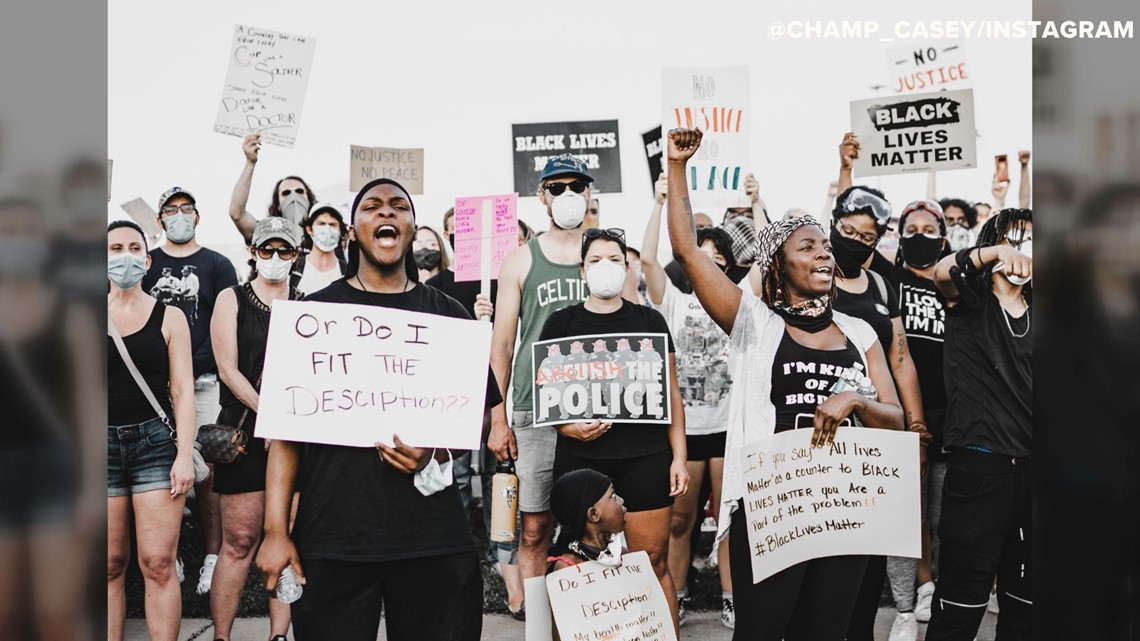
353, 246
572, 497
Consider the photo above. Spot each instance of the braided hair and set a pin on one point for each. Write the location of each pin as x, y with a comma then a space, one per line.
994, 231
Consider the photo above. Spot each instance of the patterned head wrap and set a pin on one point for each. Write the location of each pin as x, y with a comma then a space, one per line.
774, 235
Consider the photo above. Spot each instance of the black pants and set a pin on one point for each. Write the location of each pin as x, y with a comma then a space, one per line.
438, 598
985, 531
809, 601
862, 624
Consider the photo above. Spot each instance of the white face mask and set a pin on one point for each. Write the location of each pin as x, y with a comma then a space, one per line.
274, 269
605, 279
295, 207
1027, 249
568, 210
179, 228
434, 477
959, 237
326, 238
124, 270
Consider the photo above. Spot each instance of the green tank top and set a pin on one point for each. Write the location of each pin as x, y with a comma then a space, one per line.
548, 287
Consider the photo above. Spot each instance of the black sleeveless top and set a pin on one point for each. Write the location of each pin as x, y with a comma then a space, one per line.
40, 361
801, 378
126, 404
252, 337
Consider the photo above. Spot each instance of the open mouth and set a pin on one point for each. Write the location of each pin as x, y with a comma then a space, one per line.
387, 235
822, 272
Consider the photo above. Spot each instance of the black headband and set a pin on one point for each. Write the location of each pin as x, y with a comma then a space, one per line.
573, 496
353, 246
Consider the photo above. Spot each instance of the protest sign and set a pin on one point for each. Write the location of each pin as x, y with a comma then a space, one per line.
624, 386
595, 142
927, 66
592, 601
920, 132
860, 495
147, 218
538, 626
405, 166
357, 374
716, 99
265, 85
654, 153
469, 234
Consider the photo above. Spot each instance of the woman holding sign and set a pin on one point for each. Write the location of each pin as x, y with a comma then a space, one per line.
791, 323
239, 331
648, 463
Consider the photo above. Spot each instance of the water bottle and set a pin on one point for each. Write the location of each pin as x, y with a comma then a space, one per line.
288, 588
504, 502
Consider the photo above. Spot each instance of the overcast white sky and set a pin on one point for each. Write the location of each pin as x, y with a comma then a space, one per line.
452, 78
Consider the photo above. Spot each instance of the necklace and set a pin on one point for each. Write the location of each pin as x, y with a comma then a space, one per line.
591, 553
371, 296
1005, 315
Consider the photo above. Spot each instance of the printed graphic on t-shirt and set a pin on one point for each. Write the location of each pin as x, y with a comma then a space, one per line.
179, 289
923, 313
805, 385
557, 290
702, 360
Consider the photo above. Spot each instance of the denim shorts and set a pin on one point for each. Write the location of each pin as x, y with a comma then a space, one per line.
139, 457
535, 465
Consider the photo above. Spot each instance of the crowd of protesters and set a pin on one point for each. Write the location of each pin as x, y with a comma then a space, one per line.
854, 288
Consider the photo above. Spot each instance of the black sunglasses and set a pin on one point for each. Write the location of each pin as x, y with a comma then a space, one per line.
612, 233
286, 253
556, 189
299, 190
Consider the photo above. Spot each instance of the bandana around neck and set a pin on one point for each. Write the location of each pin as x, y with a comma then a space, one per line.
811, 316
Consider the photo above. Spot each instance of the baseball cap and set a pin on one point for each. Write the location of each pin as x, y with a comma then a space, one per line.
171, 193
742, 232
276, 227
565, 165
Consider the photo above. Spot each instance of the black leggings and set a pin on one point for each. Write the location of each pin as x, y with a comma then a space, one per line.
809, 601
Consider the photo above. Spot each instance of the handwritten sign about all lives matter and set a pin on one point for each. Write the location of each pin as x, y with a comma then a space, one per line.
469, 233
592, 602
356, 374
860, 495
265, 85
915, 132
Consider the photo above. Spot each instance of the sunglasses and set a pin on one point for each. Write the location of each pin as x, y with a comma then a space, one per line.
613, 234
186, 208
556, 189
859, 199
286, 253
299, 190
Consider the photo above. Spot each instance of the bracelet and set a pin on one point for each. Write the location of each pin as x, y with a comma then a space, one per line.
924, 435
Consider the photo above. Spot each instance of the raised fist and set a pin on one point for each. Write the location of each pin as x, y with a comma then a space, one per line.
683, 143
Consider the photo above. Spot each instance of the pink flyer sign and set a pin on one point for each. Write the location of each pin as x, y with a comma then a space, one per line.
469, 233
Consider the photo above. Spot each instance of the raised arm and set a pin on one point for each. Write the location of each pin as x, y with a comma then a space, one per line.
1023, 190
848, 152
508, 300
650, 267
752, 189
974, 258
718, 295
243, 220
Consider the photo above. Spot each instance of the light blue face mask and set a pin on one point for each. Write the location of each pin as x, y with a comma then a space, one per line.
179, 228
125, 270
326, 238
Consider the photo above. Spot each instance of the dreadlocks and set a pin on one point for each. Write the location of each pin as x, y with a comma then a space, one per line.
994, 231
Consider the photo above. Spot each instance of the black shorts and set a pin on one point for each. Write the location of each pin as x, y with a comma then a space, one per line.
643, 481
248, 474
705, 446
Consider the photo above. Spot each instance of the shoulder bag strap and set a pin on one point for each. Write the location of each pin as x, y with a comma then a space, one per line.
134, 370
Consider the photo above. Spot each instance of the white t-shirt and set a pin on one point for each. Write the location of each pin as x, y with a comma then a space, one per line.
704, 361
313, 280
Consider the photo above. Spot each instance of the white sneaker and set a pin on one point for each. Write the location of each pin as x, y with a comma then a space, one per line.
206, 574
992, 606
179, 569
925, 597
728, 614
905, 627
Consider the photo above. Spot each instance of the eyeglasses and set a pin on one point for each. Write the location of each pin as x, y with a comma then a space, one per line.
186, 208
612, 233
556, 189
300, 191
860, 199
851, 232
286, 253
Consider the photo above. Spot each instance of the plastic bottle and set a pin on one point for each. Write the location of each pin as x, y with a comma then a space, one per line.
505, 502
288, 587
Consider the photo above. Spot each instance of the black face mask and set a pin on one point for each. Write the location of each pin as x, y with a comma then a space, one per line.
920, 251
736, 273
451, 241
427, 259
849, 253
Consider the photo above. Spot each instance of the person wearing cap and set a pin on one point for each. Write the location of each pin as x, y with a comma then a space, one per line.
240, 332
741, 232
325, 232
169, 281
536, 280
376, 529
860, 217
755, 210
791, 320
292, 197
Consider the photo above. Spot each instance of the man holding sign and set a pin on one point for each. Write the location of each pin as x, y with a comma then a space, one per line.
378, 529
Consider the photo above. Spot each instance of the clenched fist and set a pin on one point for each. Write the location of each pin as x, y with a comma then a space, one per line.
683, 143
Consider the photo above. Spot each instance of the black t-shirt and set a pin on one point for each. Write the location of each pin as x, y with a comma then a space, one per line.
464, 292
355, 507
881, 266
989, 377
924, 320
623, 440
192, 284
871, 306
802, 377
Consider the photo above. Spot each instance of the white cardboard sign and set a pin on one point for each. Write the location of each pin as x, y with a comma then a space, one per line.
591, 601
